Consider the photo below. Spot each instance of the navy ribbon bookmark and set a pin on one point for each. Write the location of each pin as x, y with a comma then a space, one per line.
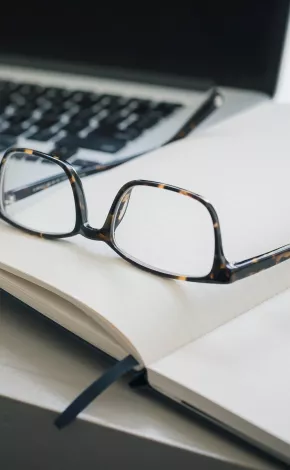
94, 390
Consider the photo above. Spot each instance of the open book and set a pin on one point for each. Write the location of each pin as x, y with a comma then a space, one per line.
220, 349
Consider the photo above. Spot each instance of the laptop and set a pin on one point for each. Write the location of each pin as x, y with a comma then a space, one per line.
96, 84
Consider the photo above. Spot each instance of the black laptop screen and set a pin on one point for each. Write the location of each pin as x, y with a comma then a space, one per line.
236, 44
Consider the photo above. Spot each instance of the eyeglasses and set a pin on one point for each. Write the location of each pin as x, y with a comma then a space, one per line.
160, 228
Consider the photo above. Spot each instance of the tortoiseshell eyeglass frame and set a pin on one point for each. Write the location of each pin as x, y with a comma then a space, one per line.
222, 271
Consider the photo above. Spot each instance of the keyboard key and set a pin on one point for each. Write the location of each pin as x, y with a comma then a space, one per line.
56, 108
31, 158
30, 91
42, 135
148, 121
70, 107
95, 142
143, 106
18, 156
14, 130
78, 121
56, 94
47, 120
64, 150
75, 126
43, 103
8, 87
22, 113
112, 120
102, 131
85, 114
167, 108
78, 96
17, 118
115, 104
13, 86
85, 99
130, 133
4, 102
83, 163
6, 141
103, 144
3, 85
17, 99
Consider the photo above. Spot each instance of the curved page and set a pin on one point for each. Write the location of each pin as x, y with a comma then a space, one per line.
65, 313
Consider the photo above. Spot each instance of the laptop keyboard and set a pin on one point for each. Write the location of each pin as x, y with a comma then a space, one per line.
74, 119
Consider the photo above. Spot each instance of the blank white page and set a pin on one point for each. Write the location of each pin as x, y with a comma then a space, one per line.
238, 374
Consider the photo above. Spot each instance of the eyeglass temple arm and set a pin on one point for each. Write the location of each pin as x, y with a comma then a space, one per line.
208, 106
254, 265
45, 183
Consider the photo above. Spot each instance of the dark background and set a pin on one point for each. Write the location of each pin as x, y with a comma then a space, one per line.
235, 43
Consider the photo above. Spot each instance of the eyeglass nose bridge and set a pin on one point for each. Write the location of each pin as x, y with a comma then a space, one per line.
95, 233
